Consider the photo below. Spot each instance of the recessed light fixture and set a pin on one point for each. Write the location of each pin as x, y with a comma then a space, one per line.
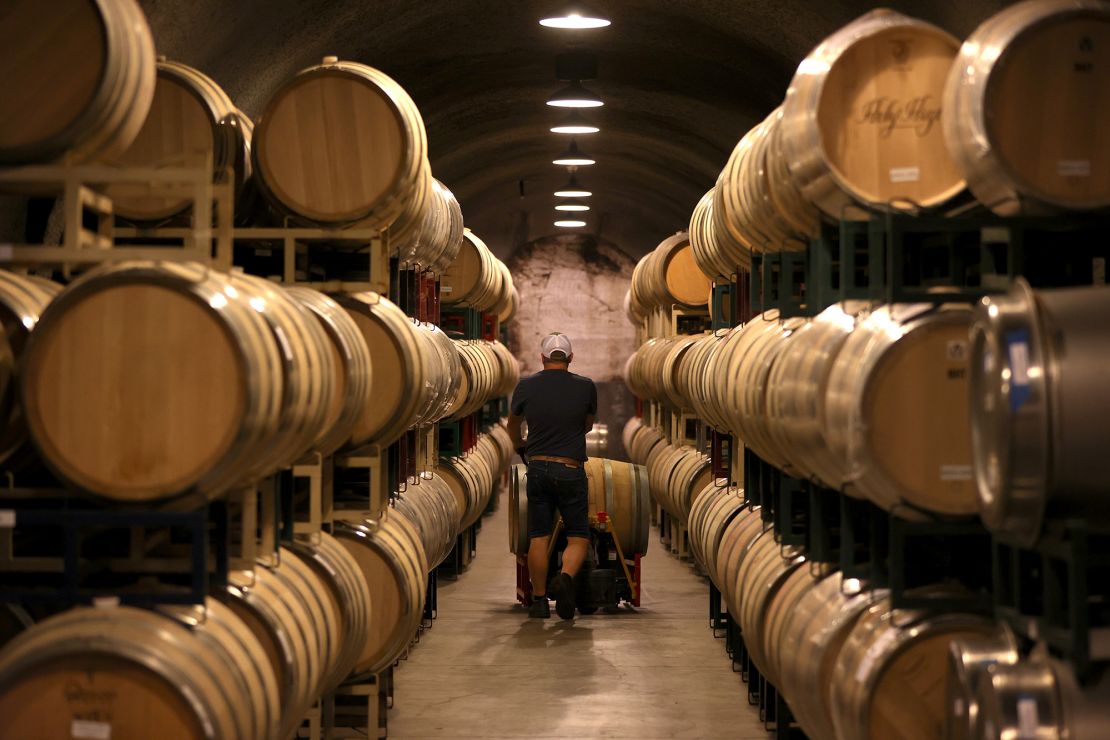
572, 189
574, 22
574, 124
572, 157
575, 96
570, 224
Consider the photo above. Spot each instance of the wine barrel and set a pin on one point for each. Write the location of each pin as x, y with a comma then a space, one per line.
282, 622
597, 440
897, 410
351, 383
189, 116
95, 59
434, 241
13, 620
467, 480
22, 301
719, 259
243, 661
737, 548
188, 677
968, 659
397, 359
861, 120
643, 441
762, 574
693, 471
796, 393
818, 627
500, 435
508, 370
347, 600
1039, 407
508, 300
430, 505
621, 490
341, 143
1053, 157
748, 204
442, 373
617, 488
1041, 697
391, 557
209, 387
712, 513
677, 367
889, 679
479, 378
473, 279
696, 381
308, 370
779, 608
628, 433
674, 276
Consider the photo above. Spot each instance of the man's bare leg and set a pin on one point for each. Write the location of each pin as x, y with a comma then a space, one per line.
537, 564
573, 556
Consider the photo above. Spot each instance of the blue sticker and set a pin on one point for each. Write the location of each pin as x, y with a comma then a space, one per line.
1017, 348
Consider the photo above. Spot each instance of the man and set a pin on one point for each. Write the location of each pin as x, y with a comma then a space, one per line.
559, 407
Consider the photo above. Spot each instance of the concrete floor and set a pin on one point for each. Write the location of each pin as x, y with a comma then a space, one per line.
485, 670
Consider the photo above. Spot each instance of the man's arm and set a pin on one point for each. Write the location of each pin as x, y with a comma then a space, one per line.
591, 407
589, 422
513, 426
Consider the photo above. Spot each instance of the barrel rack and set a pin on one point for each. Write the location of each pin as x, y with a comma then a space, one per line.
59, 548
1047, 593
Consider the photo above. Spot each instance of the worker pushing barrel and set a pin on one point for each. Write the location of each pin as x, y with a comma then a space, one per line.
559, 407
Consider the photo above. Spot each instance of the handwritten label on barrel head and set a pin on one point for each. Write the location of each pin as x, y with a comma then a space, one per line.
86, 729
1017, 347
7, 518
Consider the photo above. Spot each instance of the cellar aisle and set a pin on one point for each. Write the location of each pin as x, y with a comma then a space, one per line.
485, 670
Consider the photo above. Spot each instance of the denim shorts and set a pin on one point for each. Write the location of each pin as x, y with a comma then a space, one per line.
554, 486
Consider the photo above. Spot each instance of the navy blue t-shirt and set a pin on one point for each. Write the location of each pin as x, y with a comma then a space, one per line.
555, 403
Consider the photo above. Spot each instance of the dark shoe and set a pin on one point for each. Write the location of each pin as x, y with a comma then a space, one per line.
539, 609
563, 591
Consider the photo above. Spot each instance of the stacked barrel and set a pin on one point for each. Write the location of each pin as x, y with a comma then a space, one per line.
935, 413
155, 387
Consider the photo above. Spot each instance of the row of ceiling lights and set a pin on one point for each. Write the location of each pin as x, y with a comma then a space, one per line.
575, 97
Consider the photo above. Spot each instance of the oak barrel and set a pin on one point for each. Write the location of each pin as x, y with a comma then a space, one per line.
209, 387
95, 58
1024, 107
186, 676
473, 279
897, 409
968, 659
861, 120
391, 558
890, 678
190, 117
340, 143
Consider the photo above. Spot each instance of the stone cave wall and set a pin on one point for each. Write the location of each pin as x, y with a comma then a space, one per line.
575, 284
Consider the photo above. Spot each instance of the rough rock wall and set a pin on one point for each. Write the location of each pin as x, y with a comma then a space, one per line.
575, 285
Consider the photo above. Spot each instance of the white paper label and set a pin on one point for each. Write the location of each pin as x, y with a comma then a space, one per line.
7, 518
1027, 718
905, 174
87, 729
105, 602
955, 472
1019, 363
1073, 168
446, 289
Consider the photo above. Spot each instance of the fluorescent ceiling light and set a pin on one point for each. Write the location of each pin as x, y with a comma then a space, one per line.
574, 22
570, 224
572, 157
575, 96
574, 124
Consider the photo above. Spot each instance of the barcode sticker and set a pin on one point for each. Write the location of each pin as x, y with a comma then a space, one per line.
1017, 348
905, 174
87, 729
1028, 718
7, 518
955, 472
1073, 168
446, 289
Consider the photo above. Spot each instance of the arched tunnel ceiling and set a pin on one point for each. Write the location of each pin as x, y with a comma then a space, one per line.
682, 81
